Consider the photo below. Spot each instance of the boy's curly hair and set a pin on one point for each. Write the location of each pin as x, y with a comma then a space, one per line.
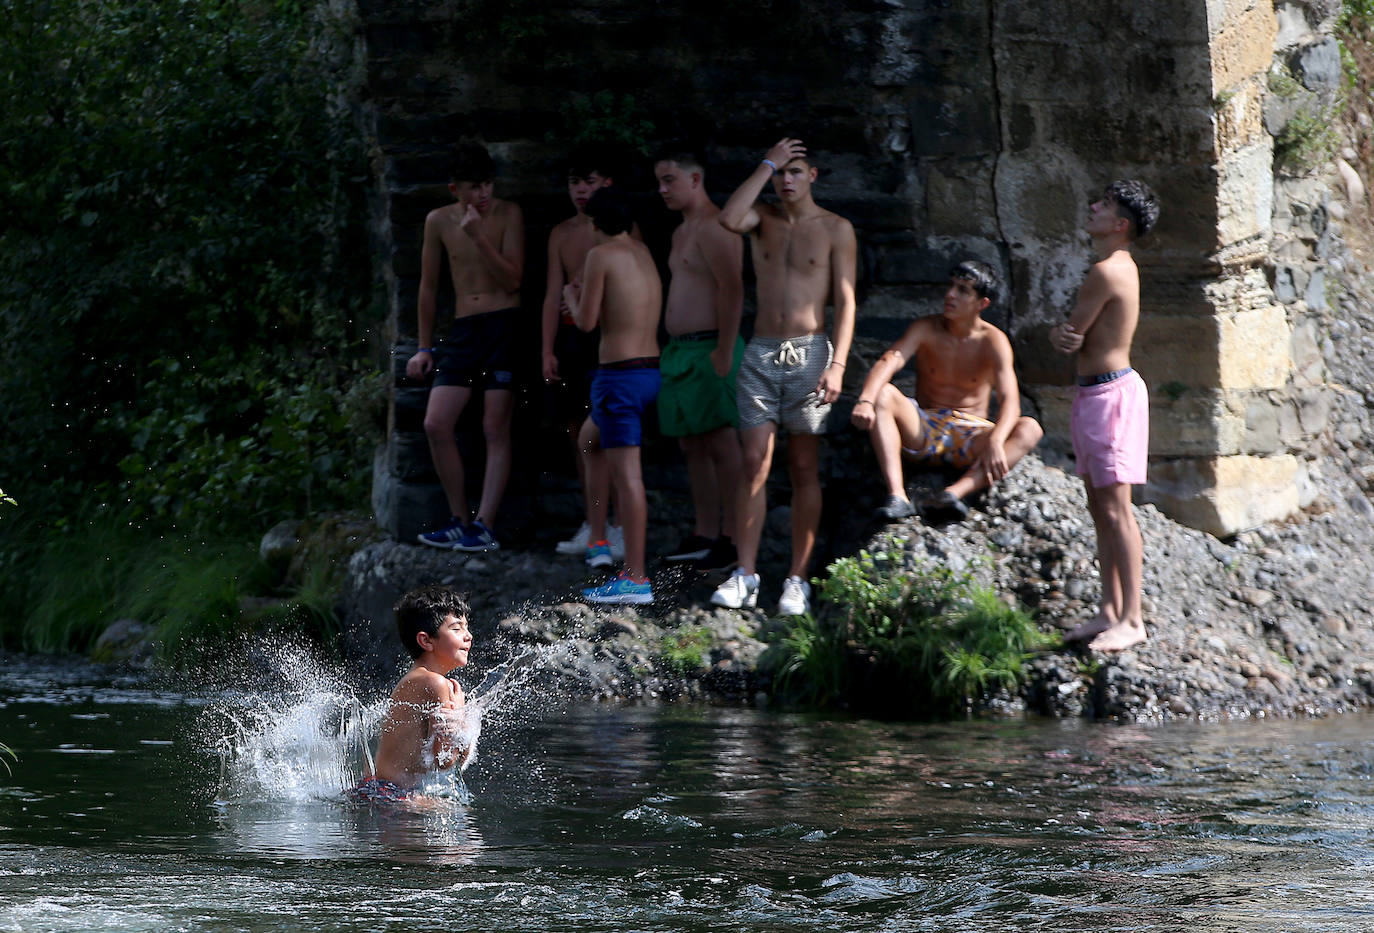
424, 610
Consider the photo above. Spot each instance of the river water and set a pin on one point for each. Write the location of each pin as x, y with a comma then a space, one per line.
134, 808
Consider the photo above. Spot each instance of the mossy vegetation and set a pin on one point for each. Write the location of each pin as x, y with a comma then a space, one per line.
685, 651
902, 640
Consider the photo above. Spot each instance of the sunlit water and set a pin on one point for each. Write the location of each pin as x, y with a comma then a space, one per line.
131, 808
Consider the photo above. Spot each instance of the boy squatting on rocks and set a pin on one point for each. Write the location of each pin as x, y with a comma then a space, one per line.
484, 238
961, 360
424, 727
569, 354
804, 256
1110, 416
620, 292
699, 365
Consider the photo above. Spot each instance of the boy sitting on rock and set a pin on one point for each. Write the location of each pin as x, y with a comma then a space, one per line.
961, 360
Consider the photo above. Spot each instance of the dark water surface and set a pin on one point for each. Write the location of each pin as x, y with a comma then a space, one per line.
120, 816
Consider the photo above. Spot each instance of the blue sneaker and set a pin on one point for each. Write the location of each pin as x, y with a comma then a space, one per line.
599, 555
446, 537
620, 590
477, 537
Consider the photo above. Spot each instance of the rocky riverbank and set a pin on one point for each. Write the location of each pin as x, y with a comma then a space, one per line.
1274, 622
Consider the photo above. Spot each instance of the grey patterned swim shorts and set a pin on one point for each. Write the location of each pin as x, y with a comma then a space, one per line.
777, 383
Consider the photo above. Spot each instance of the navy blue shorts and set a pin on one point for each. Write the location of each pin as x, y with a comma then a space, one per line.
376, 790
621, 392
477, 352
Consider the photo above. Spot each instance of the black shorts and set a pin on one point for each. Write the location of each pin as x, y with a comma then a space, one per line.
577, 361
477, 352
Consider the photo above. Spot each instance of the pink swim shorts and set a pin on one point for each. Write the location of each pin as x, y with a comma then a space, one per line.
1110, 424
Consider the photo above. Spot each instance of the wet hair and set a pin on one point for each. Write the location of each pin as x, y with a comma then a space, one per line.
684, 158
471, 162
424, 610
610, 211
982, 277
1136, 202
592, 159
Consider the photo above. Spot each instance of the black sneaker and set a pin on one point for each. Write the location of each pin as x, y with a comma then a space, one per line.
693, 547
721, 556
947, 507
895, 509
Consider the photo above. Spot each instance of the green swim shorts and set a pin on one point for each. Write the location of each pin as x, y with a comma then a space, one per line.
693, 399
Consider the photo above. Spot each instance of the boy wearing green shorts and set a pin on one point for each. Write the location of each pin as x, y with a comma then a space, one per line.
699, 365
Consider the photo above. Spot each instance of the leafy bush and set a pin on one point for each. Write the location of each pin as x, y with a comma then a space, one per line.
903, 640
184, 282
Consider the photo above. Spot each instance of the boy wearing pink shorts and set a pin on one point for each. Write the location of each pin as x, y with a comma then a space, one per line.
1111, 419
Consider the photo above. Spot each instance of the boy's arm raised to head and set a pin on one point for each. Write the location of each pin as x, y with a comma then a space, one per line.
584, 297
553, 301
893, 359
724, 252
844, 253
431, 254
740, 214
1097, 289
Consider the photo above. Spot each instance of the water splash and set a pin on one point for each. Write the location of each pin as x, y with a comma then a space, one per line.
306, 734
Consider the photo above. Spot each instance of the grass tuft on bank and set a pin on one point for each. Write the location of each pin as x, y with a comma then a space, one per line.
896, 639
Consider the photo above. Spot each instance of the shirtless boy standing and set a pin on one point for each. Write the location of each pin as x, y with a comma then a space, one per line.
569, 355
619, 291
1111, 415
803, 257
700, 362
961, 360
424, 727
484, 239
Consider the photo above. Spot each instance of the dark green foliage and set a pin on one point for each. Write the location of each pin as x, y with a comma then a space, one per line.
197, 594
899, 641
182, 265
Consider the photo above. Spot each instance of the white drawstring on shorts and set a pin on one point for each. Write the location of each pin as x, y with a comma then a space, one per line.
789, 355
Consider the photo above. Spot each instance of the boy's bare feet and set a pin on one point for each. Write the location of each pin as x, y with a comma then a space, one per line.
1119, 637
1089, 629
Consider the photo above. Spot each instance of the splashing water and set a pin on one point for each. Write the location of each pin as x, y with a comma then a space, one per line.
311, 736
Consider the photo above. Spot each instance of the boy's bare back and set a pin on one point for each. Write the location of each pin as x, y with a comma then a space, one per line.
631, 295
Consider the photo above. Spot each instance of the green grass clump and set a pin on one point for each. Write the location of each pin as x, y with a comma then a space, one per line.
685, 651
904, 640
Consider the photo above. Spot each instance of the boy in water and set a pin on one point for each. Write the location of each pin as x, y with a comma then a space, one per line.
1110, 420
484, 239
700, 362
960, 360
804, 257
423, 730
569, 354
620, 292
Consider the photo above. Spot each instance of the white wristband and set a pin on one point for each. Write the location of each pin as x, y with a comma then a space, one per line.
770, 163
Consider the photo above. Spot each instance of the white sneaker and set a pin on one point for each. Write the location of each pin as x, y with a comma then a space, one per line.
616, 535
577, 544
796, 597
740, 590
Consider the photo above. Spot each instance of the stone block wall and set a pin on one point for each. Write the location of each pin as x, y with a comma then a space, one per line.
943, 130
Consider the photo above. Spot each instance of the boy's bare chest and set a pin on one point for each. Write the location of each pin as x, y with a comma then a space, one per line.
803, 249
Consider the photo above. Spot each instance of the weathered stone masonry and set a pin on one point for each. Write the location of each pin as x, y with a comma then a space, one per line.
944, 129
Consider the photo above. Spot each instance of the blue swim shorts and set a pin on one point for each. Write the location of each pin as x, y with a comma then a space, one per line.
621, 392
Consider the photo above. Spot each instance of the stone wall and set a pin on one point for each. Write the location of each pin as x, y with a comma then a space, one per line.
943, 129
